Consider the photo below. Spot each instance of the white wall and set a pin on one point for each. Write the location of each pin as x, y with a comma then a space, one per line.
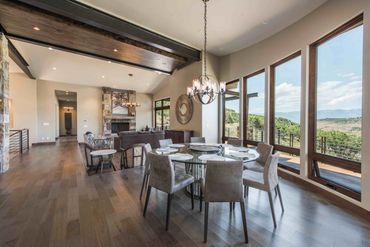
89, 112
22, 92
298, 37
174, 86
144, 113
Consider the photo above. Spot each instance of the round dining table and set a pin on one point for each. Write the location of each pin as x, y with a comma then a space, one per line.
195, 156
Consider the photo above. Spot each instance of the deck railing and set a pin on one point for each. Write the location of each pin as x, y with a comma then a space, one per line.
19, 141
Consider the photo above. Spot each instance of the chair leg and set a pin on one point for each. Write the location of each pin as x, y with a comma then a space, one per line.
142, 186
200, 198
147, 199
169, 197
244, 218
272, 208
280, 198
206, 221
192, 195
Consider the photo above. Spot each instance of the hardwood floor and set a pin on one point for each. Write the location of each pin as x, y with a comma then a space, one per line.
46, 199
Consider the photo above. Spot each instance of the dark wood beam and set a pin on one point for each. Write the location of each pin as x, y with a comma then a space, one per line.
90, 16
19, 60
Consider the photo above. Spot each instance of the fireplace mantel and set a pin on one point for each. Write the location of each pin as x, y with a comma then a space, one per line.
110, 101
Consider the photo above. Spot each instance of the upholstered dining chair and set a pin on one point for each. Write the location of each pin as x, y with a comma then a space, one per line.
264, 150
165, 143
146, 149
266, 181
234, 141
163, 177
224, 183
197, 139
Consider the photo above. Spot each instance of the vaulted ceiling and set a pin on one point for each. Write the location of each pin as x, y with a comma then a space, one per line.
232, 24
99, 42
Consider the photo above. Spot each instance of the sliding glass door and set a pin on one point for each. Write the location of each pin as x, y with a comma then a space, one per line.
335, 108
231, 111
254, 108
285, 104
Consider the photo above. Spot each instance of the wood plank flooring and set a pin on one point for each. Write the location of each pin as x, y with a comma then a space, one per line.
47, 199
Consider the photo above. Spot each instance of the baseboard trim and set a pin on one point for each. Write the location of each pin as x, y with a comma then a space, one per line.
42, 143
335, 199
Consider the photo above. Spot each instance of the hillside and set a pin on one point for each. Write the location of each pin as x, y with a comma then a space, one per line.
348, 125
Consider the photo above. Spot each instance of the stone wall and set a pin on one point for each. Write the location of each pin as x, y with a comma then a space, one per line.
4, 104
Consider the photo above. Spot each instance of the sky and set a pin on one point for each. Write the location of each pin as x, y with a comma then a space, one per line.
339, 78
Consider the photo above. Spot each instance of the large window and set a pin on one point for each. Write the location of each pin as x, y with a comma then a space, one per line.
254, 107
162, 113
231, 111
336, 108
285, 103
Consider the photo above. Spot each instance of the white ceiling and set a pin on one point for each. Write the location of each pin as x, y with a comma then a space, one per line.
232, 24
77, 69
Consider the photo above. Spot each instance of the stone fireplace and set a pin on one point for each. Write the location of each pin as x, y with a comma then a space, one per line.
116, 116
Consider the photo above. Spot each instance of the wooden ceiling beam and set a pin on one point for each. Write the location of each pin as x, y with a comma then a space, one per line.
16, 56
90, 16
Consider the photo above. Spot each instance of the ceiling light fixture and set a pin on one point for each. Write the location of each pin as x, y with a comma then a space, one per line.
36, 28
103, 76
205, 88
109, 62
54, 68
50, 48
115, 50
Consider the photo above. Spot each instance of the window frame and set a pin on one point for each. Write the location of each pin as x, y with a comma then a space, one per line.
285, 149
247, 142
161, 108
313, 156
225, 138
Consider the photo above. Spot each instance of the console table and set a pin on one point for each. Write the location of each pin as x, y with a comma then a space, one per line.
179, 136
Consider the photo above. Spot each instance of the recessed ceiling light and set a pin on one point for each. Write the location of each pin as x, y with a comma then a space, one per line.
109, 62
50, 48
36, 28
115, 50
103, 76
130, 74
54, 68
264, 22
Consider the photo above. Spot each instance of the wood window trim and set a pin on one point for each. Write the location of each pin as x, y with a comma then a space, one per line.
313, 156
290, 150
224, 137
160, 108
247, 142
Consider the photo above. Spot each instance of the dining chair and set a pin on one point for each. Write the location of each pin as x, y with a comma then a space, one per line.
264, 150
224, 183
234, 142
165, 143
197, 139
163, 177
146, 149
266, 181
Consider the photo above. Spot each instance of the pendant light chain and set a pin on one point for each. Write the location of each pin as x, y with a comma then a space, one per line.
205, 88
205, 38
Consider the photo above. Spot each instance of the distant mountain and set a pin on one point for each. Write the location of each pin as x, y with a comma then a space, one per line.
323, 114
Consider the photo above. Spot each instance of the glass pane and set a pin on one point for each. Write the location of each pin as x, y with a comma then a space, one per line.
343, 177
232, 110
256, 107
339, 95
289, 160
166, 102
158, 119
166, 119
287, 103
158, 103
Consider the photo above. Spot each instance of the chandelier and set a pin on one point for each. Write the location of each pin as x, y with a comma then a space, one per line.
205, 88
130, 104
